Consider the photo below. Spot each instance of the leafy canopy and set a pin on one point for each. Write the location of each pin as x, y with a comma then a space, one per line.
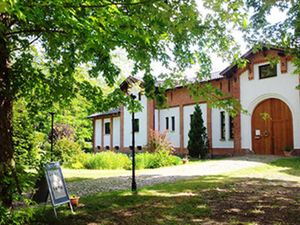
285, 33
48, 40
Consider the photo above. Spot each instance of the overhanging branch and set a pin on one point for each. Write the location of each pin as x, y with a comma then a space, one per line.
70, 5
120, 3
40, 30
30, 43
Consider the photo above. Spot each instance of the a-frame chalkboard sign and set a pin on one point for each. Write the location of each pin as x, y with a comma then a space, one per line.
57, 186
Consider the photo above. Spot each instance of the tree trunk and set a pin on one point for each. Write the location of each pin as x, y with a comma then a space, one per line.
41, 194
7, 180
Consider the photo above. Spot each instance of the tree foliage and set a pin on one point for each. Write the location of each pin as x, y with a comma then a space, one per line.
61, 131
262, 32
42, 44
198, 142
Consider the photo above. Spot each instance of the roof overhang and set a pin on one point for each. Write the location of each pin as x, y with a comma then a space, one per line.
230, 70
112, 112
130, 81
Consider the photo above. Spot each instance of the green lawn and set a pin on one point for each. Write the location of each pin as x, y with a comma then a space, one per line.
268, 194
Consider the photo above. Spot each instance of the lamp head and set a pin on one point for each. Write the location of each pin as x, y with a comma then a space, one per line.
133, 96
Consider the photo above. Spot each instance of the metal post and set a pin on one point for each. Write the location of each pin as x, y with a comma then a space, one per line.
52, 133
133, 184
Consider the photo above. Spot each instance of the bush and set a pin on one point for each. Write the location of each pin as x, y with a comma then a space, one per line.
78, 161
112, 160
159, 142
144, 160
155, 160
107, 160
61, 131
66, 151
20, 216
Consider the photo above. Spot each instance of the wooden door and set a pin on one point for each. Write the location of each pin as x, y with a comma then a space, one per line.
272, 127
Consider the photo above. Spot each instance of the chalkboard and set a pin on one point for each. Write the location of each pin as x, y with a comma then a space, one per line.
56, 184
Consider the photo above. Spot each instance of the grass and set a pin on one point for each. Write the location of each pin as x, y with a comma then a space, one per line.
249, 196
291, 165
285, 169
109, 160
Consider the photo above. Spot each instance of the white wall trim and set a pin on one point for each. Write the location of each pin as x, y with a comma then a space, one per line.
263, 97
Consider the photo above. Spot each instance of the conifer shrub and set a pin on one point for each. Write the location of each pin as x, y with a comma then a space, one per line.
198, 141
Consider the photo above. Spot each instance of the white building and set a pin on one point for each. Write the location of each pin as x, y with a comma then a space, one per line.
268, 93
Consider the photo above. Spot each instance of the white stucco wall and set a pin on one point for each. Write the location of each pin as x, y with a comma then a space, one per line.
116, 131
106, 139
187, 111
141, 136
174, 136
254, 91
217, 142
98, 132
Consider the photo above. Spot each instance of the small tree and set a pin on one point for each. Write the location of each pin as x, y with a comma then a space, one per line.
198, 143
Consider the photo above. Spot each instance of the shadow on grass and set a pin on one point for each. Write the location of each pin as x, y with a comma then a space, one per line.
86, 187
206, 200
291, 165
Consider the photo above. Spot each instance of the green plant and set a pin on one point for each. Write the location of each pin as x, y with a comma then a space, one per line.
144, 160
198, 141
19, 216
61, 131
107, 160
77, 161
155, 160
288, 148
73, 196
159, 142
66, 150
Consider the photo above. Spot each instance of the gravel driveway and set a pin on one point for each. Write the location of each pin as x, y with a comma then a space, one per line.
167, 174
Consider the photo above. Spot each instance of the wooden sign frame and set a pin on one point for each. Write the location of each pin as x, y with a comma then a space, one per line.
57, 186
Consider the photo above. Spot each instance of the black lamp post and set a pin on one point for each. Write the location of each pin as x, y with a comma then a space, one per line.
133, 182
52, 133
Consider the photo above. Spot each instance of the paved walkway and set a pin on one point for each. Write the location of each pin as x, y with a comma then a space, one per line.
167, 174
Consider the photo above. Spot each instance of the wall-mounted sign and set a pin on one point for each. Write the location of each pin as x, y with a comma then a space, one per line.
257, 132
57, 186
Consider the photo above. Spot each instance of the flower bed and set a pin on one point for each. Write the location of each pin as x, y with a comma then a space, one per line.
112, 160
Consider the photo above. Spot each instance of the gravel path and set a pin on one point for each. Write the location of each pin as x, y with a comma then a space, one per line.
167, 174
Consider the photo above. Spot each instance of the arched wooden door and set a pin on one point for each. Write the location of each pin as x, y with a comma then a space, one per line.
272, 127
